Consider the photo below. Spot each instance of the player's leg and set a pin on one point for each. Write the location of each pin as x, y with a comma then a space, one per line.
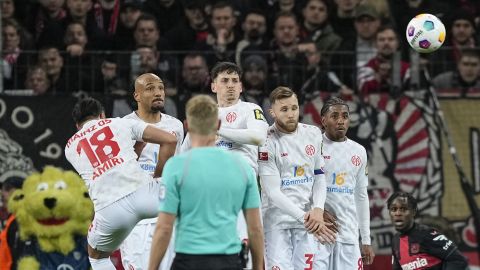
279, 249
347, 256
324, 256
303, 250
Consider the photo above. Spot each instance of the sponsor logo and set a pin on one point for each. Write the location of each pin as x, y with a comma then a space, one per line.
231, 117
284, 154
291, 182
263, 156
258, 114
310, 150
326, 157
417, 264
148, 167
345, 190
225, 144
356, 160
298, 171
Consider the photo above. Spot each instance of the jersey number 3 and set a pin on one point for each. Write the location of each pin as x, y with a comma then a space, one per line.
102, 140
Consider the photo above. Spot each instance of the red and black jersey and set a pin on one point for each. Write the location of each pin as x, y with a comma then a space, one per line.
423, 247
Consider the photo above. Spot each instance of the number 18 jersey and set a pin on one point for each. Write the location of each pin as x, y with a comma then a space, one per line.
103, 155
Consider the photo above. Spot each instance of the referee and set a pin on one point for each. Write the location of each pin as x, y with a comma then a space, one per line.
205, 188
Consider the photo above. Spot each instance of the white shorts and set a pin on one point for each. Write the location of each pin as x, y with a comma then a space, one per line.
338, 256
135, 249
112, 224
289, 249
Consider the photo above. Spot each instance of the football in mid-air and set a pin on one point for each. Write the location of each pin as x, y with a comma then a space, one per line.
425, 33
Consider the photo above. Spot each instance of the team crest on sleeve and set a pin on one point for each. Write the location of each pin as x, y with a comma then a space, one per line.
231, 117
258, 114
275, 268
310, 150
414, 248
356, 160
263, 156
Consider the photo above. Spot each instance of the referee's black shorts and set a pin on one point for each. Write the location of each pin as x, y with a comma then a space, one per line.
206, 262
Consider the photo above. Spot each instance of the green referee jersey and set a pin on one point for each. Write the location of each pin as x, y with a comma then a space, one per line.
206, 188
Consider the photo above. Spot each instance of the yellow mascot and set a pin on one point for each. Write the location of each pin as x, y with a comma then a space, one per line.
53, 211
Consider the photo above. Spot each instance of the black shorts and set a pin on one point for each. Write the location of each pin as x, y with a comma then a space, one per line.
206, 262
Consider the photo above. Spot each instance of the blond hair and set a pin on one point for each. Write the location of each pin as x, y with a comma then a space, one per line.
202, 115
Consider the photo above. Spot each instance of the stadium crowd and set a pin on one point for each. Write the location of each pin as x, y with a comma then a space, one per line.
337, 46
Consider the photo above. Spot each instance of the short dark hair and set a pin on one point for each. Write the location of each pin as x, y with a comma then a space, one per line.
86, 108
280, 92
470, 52
146, 17
386, 27
229, 67
333, 101
287, 14
411, 201
223, 4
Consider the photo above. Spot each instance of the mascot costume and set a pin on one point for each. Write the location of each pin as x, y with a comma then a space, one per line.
53, 211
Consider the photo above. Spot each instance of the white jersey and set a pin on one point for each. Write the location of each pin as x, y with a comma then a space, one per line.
242, 115
345, 170
102, 153
149, 157
296, 159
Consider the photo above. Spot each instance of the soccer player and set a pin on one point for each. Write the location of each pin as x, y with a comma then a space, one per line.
293, 185
102, 152
417, 246
150, 96
346, 172
206, 187
243, 126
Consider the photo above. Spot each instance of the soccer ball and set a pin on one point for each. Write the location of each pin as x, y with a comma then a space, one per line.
425, 33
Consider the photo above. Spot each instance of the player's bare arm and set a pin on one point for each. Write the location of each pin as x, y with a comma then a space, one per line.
168, 144
161, 238
255, 236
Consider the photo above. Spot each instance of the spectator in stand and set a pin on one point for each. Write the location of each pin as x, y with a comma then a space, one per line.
11, 51
167, 12
49, 58
461, 36
108, 80
149, 60
44, 15
288, 61
381, 6
463, 82
130, 11
192, 29
107, 13
376, 75
221, 43
316, 27
255, 84
194, 80
80, 11
146, 33
15, 10
77, 60
254, 35
37, 81
355, 52
343, 17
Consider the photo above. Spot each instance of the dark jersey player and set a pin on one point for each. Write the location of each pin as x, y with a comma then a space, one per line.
416, 246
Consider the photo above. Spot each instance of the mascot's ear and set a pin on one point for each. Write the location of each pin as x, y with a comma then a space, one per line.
28, 263
15, 199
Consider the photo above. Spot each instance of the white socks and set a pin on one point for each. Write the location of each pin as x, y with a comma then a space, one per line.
101, 264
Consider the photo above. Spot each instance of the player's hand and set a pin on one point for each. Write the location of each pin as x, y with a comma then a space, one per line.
330, 221
314, 220
367, 254
325, 235
138, 147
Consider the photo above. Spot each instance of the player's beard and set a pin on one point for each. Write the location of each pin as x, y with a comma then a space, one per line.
156, 108
288, 126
